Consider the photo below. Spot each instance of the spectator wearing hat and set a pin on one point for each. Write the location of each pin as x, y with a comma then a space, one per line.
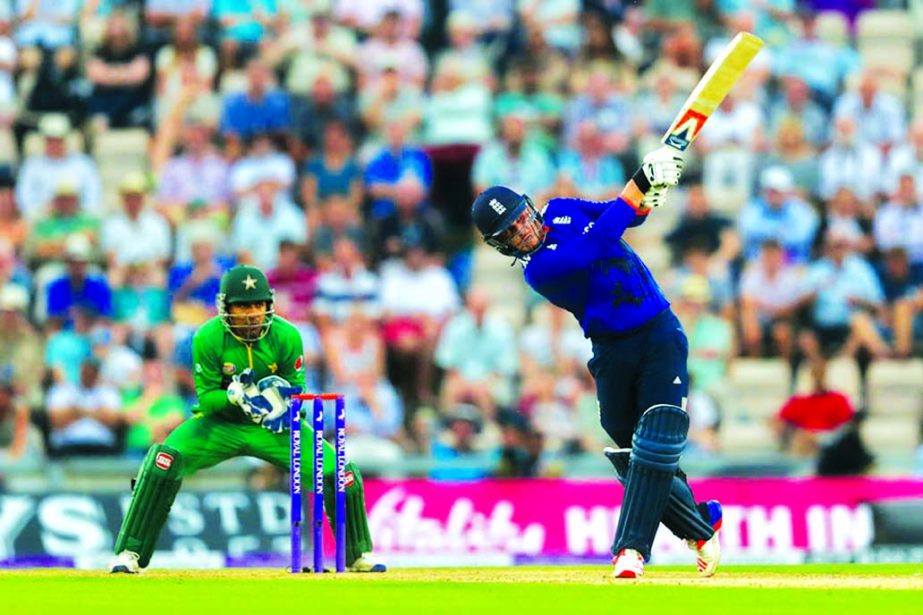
85, 417
199, 173
780, 215
769, 294
13, 229
120, 73
47, 241
138, 236
41, 174
78, 287
265, 219
20, 344
261, 107
388, 47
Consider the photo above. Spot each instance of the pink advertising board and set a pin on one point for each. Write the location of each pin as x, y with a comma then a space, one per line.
562, 518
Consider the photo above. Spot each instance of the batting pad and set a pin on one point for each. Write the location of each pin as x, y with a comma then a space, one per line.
659, 439
155, 488
358, 537
681, 516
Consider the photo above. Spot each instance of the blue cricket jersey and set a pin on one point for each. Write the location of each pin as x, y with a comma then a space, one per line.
586, 267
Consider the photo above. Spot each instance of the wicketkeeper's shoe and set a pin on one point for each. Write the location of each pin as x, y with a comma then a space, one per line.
368, 562
708, 552
629, 564
125, 562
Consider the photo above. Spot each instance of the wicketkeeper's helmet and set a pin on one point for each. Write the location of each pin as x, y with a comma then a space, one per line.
245, 284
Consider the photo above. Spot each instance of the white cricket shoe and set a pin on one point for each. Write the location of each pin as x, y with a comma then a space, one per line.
708, 552
125, 562
629, 564
368, 562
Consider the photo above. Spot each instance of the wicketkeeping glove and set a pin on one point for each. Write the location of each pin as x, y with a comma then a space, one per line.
244, 393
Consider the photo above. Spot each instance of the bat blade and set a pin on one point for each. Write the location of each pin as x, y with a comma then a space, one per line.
712, 88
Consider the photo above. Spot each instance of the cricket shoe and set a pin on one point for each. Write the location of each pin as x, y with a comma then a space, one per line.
368, 562
629, 564
125, 562
708, 552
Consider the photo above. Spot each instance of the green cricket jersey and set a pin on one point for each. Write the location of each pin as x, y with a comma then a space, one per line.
218, 355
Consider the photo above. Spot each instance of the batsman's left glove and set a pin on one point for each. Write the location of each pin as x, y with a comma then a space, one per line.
662, 168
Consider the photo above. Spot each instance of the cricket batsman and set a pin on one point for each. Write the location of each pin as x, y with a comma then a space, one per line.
574, 255
248, 363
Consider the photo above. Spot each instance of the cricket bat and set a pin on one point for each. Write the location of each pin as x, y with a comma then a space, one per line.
711, 90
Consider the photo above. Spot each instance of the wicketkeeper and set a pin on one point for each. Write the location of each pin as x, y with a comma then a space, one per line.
248, 363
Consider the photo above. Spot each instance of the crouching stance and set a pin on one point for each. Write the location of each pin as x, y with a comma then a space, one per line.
248, 363
574, 254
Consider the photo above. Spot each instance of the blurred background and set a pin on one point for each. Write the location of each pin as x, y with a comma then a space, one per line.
147, 146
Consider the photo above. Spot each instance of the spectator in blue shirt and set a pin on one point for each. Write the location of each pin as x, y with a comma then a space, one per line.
77, 288
258, 109
399, 171
779, 215
244, 24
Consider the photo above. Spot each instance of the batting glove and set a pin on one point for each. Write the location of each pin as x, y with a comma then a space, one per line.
663, 167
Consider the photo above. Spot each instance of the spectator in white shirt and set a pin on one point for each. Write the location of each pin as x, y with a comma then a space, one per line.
347, 286
899, 223
850, 162
263, 163
42, 173
138, 235
769, 293
84, 417
907, 158
388, 48
878, 115
263, 221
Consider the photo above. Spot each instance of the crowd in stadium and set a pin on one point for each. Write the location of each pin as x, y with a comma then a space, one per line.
337, 144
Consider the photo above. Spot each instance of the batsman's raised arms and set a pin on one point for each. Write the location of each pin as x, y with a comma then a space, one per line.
718, 80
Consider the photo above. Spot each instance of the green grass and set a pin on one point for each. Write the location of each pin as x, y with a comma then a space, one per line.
789, 589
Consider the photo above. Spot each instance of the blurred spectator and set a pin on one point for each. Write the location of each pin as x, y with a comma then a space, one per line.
807, 421
611, 111
198, 173
153, 411
13, 229
260, 108
588, 170
324, 105
906, 158
850, 162
542, 110
388, 47
356, 359
731, 145
346, 286
521, 447
513, 162
400, 171
138, 235
119, 364
78, 287
161, 17
264, 219
794, 153
661, 100
711, 338
46, 23
141, 303
67, 349
14, 424
697, 264
681, 54
554, 67
294, 283
120, 73
456, 112
493, 18
8, 63
844, 297
558, 20
902, 285
243, 25
704, 420
899, 222
264, 163
366, 15
796, 105
332, 171
465, 53
598, 50
823, 65
12, 271
553, 414
42, 174
553, 343
184, 64
410, 224
778, 214
699, 225
878, 115
315, 49
385, 103
337, 220
478, 354
417, 297
769, 293
47, 241
194, 284
844, 214
464, 435
86, 417
20, 345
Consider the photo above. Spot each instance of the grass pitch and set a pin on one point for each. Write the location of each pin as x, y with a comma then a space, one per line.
765, 589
